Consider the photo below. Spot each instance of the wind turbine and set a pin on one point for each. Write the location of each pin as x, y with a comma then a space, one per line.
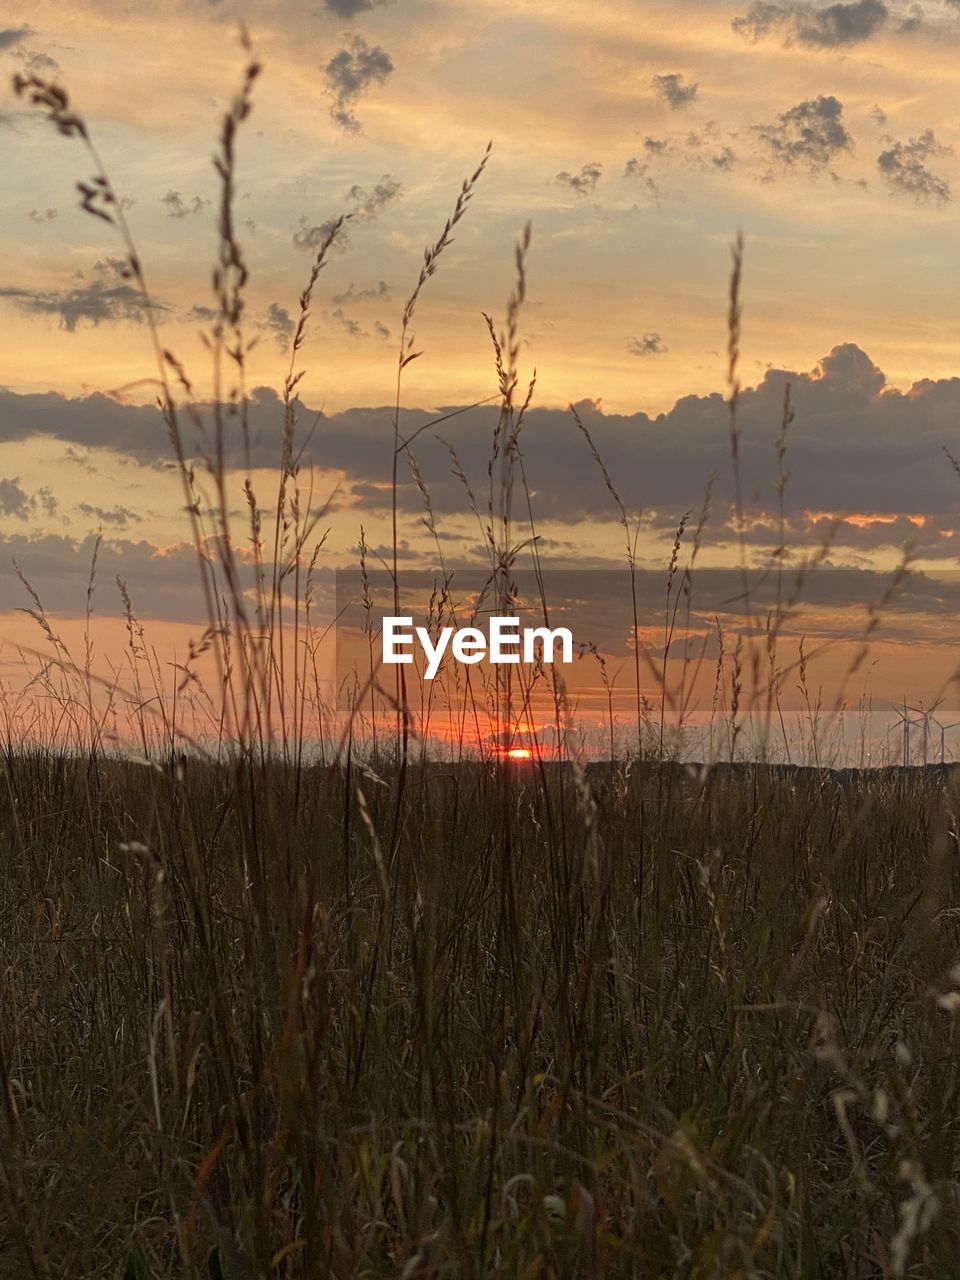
906, 721
925, 714
943, 734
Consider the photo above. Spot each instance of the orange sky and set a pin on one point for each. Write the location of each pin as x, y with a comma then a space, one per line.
636, 149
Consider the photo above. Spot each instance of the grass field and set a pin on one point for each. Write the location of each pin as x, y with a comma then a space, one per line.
386, 1016
652, 1025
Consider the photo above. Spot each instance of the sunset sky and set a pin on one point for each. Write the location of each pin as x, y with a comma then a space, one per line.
636, 138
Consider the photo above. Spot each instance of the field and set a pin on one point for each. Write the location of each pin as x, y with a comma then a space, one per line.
643, 1024
384, 1015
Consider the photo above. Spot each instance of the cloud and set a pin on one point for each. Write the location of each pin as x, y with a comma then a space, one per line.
672, 90
162, 583
350, 74
585, 182
312, 237
177, 207
724, 159
812, 134
651, 344
99, 302
369, 203
858, 450
11, 37
42, 215
348, 9
279, 322
349, 325
118, 517
833, 27
639, 171
14, 500
37, 62
379, 292
381, 331
903, 167
878, 115
655, 146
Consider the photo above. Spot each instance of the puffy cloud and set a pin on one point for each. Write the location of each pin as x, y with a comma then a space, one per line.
857, 447
350, 74
832, 27
674, 91
585, 182
904, 169
812, 134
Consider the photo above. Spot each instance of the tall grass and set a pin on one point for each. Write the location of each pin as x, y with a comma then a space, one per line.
267, 1015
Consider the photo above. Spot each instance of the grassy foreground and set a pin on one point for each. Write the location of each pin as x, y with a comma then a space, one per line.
260, 1022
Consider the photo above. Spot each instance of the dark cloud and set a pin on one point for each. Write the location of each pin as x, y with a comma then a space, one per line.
585, 182
350, 74
904, 169
367, 204
672, 90
655, 146
348, 9
651, 344
878, 115
42, 215
279, 323
857, 447
162, 583
379, 292
832, 27
14, 500
97, 302
177, 207
11, 37
311, 237
381, 331
118, 517
811, 134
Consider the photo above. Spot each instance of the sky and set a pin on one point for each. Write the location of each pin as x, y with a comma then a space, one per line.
637, 140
